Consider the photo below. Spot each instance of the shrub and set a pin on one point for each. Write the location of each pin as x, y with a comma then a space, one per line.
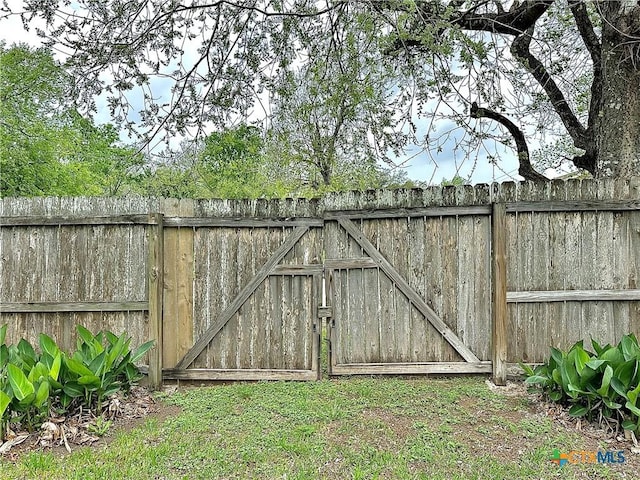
602, 386
101, 366
26, 382
31, 382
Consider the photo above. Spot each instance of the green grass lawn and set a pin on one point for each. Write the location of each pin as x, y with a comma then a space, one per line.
352, 428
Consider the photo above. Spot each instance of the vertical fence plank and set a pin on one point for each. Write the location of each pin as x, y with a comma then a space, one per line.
499, 271
178, 297
184, 286
155, 282
170, 292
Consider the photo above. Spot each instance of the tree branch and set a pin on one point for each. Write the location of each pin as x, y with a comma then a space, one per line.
587, 32
525, 169
594, 46
588, 161
512, 22
520, 50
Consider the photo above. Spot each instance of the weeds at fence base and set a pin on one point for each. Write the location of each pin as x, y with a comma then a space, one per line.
82, 427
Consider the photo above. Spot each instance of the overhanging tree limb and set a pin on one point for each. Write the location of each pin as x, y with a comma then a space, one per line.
520, 20
520, 48
525, 169
594, 46
512, 22
587, 32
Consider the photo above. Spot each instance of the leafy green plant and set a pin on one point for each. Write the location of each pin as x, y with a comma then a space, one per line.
100, 426
602, 386
25, 383
31, 383
101, 366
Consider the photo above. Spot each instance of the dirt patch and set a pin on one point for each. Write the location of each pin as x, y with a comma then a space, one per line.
62, 435
375, 426
527, 420
509, 427
401, 425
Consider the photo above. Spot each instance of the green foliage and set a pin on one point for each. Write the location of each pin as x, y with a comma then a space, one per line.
231, 164
46, 146
32, 383
100, 426
26, 382
298, 175
168, 181
456, 181
101, 366
318, 144
604, 385
240, 163
228, 164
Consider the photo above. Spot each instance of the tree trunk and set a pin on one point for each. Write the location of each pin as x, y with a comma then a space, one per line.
617, 128
325, 170
618, 125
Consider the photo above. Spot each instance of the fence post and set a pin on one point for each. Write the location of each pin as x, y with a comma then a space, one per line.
499, 293
155, 282
178, 284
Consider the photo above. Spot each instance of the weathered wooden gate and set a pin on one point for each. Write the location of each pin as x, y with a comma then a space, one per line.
407, 291
410, 290
255, 289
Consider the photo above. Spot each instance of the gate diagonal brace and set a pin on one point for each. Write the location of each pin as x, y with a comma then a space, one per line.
411, 294
242, 297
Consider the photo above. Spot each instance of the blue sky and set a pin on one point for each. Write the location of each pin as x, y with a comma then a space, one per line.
475, 166
421, 166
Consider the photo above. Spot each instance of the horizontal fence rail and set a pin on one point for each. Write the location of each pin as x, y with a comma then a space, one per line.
73, 307
573, 296
41, 220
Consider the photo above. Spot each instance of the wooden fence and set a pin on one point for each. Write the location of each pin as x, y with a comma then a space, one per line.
441, 280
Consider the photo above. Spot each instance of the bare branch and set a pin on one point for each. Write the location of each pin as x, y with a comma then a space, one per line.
587, 32
518, 19
520, 50
594, 46
526, 170
588, 161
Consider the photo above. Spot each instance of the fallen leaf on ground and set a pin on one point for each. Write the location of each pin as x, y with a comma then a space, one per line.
6, 446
